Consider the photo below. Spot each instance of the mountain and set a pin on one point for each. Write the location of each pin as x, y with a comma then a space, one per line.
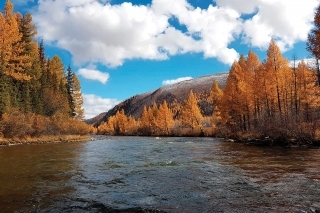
174, 94
96, 119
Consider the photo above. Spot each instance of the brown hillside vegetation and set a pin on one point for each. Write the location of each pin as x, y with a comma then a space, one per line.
173, 94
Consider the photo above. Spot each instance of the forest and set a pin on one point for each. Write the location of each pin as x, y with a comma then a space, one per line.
38, 97
276, 99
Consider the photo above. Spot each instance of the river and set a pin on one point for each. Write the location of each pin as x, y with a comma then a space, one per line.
141, 174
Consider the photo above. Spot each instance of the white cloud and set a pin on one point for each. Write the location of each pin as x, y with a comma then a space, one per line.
93, 74
311, 62
173, 81
94, 105
289, 22
96, 31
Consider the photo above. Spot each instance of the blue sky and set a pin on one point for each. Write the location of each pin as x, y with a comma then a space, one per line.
122, 48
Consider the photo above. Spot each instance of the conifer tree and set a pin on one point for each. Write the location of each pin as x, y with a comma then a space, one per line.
190, 114
215, 93
307, 92
144, 125
121, 122
165, 118
280, 77
77, 99
153, 113
4, 94
233, 104
11, 46
70, 82
55, 96
31, 66
313, 44
254, 82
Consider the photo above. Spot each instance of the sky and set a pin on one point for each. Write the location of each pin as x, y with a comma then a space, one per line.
122, 48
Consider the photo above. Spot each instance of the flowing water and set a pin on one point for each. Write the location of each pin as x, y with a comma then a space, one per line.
137, 174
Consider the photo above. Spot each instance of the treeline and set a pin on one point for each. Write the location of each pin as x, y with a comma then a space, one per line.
270, 99
260, 99
34, 89
161, 120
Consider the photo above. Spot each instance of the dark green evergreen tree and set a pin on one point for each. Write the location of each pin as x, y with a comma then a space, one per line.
69, 86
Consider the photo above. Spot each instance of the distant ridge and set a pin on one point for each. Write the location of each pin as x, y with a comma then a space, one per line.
178, 91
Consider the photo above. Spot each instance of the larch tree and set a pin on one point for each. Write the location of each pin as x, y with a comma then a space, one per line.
280, 76
216, 94
55, 96
11, 46
165, 118
233, 104
153, 114
307, 92
144, 124
121, 123
190, 115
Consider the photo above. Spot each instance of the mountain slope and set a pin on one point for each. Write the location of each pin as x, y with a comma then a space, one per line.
175, 93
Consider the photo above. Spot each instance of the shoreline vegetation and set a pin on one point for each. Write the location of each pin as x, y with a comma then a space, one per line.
40, 100
44, 139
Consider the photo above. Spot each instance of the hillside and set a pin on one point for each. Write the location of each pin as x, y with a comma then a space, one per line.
175, 93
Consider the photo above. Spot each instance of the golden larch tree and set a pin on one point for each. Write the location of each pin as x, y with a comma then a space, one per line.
165, 118
190, 115
11, 47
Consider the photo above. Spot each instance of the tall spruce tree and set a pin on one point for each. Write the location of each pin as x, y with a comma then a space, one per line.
69, 85
77, 98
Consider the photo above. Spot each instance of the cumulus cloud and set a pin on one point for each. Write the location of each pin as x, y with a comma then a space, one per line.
173, 81
97, 31
94, 75
94, 105
288, 23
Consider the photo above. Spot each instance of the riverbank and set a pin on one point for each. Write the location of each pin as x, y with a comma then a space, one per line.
267, 141
44, 139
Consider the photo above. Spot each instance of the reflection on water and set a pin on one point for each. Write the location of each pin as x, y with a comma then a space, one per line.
33, 176
135, 174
